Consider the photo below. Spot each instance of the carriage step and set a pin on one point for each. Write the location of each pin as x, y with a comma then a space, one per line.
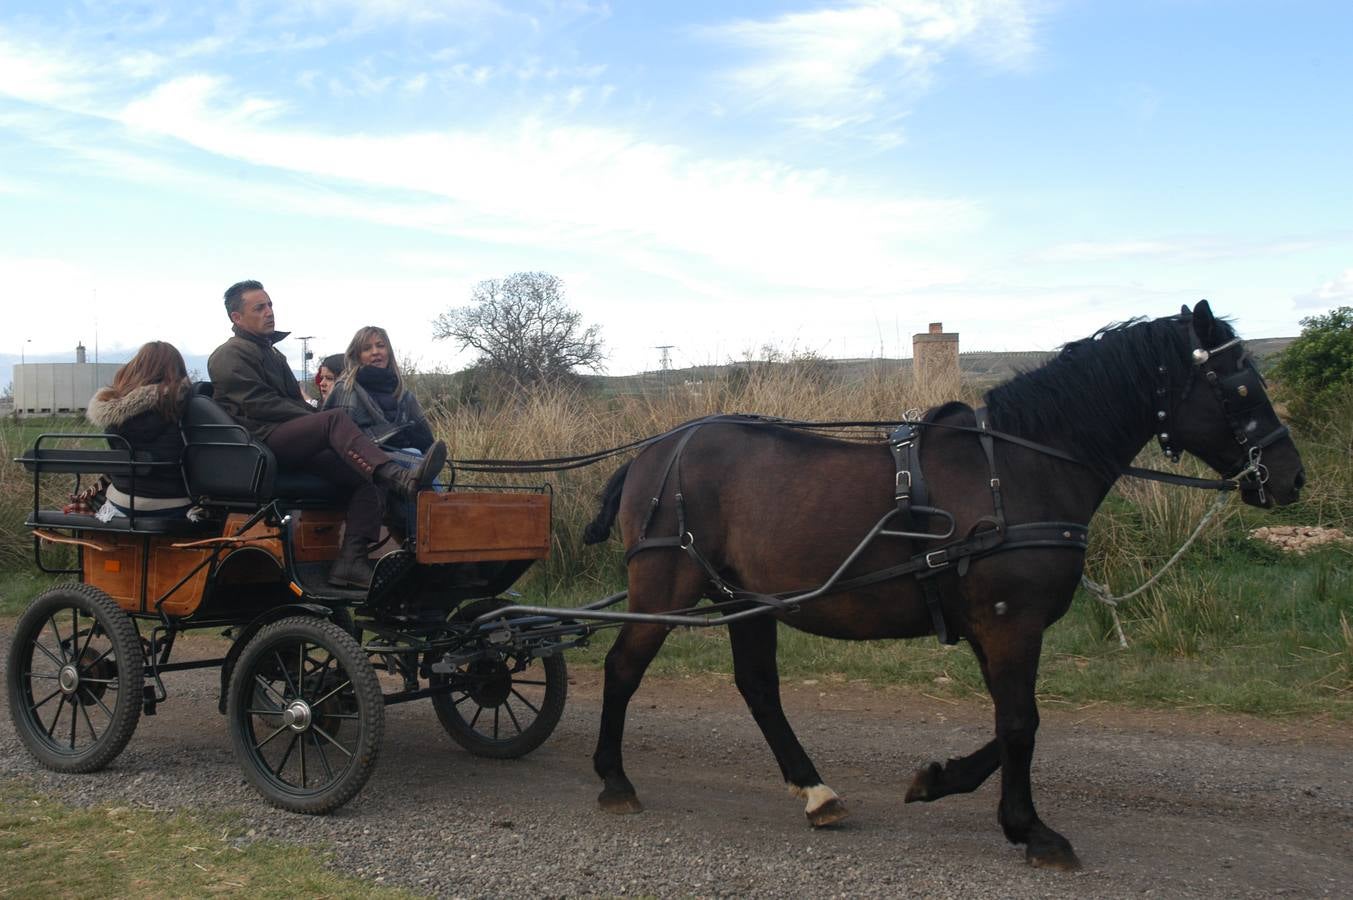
148, 701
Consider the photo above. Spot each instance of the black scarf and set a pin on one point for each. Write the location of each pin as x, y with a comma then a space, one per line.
381, 385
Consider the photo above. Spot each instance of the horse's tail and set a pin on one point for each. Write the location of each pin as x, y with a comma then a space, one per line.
600, 528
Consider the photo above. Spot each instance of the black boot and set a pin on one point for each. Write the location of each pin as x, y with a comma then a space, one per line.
352, 568
406, 483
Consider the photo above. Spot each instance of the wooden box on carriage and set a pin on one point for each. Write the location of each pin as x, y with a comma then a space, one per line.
136, 572
469, 526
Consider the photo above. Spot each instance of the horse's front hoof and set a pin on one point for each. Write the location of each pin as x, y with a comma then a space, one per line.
1061, 858
620, 804
828, 813
922, 783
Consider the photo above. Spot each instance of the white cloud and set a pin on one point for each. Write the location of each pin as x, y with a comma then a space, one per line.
837, 66
1338, 291
536, 182
43, 74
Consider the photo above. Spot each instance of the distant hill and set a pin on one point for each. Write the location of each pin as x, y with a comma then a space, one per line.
982, 366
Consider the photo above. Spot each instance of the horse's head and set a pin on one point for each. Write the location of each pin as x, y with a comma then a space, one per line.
1223, 416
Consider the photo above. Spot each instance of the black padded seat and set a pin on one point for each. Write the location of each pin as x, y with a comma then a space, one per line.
174, 525
224, 466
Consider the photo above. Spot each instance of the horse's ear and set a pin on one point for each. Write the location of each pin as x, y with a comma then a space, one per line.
1184, 310
1203, 321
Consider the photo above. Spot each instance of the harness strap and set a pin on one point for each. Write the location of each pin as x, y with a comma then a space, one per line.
662, 485
909, 482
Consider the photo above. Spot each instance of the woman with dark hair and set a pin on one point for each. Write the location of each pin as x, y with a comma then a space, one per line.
144, 405
327, 373
372, 390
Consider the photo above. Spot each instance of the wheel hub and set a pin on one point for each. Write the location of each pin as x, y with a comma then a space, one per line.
69, 679
297, 715
491, 682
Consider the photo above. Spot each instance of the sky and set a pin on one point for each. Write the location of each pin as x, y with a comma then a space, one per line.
820, 177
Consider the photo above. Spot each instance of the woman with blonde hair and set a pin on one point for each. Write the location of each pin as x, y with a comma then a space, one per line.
144, 406
372, 390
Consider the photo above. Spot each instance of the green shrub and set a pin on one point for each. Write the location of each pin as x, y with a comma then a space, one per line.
1316, 370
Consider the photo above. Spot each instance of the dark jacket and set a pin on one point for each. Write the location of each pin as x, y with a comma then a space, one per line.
253, 382
407, 427
152, 437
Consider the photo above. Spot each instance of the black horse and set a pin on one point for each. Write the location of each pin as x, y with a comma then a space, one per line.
775, 511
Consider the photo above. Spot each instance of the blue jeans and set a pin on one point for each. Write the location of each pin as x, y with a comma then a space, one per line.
409, 458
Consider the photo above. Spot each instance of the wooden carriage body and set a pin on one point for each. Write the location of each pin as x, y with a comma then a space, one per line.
269, 535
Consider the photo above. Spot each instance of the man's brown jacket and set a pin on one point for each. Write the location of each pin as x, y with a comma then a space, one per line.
252, 381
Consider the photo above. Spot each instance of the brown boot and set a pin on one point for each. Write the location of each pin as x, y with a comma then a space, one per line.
352, 569
406, 483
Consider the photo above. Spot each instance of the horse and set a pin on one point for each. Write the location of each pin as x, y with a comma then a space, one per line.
775, 510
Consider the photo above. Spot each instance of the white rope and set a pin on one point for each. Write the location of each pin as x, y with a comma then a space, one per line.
1101, 591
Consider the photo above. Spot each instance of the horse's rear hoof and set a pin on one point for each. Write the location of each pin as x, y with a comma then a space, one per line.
828, 813
922, 783
1063, 859
620, 804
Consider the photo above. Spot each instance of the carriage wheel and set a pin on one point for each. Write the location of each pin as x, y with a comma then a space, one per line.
503, 706
74, 675
306, 714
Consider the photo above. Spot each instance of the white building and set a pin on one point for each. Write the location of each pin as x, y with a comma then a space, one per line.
56, 389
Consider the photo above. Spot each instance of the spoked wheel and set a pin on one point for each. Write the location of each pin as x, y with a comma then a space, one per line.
306, 714
74, 676
503, 706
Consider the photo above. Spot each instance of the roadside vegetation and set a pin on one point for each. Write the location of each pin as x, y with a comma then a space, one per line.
49, 849
1237, 625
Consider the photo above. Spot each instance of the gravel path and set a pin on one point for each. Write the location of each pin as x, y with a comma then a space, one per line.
1172, 804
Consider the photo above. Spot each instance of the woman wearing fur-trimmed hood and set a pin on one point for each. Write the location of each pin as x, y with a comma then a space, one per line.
143, 406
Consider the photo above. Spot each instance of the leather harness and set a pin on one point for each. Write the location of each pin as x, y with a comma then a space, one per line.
1241, 403
911, 515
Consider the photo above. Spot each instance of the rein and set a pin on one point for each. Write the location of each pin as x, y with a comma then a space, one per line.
564, 463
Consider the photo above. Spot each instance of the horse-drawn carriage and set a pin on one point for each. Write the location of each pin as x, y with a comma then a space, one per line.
299, 682
968, 524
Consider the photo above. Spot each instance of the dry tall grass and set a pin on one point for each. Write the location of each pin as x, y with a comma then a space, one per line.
565, 421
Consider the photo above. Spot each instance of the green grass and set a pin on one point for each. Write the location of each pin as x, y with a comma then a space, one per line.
18, 588
48, 849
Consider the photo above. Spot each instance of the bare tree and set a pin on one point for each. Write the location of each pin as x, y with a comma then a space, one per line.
523, 330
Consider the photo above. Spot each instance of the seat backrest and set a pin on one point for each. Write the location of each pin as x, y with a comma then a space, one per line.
222, 463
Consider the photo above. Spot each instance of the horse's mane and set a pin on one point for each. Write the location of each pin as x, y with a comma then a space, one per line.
1098, 392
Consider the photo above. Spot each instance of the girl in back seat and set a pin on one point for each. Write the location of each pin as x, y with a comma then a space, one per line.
144, 405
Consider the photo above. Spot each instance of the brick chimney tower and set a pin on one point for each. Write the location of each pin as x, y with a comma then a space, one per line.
934, 358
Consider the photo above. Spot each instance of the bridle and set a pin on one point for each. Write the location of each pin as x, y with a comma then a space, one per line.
1242, 399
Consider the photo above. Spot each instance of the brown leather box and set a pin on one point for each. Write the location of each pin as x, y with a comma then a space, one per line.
466, 526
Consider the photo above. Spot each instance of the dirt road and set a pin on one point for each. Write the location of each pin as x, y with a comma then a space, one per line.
1170, 804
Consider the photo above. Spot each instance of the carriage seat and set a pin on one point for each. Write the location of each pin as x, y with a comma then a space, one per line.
168, 525
58, 458
224, 466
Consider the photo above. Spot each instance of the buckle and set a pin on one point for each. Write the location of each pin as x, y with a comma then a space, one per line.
901, 489
943, 556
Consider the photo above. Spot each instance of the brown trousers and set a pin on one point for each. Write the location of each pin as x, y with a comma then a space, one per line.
329, 444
